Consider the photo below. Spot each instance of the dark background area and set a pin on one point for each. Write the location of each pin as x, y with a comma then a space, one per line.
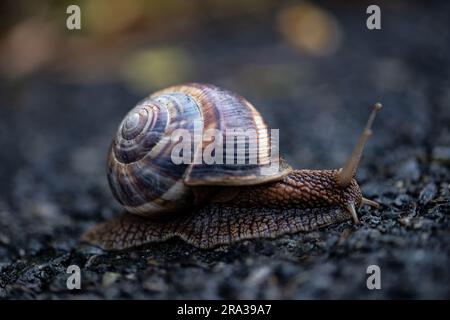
311, 68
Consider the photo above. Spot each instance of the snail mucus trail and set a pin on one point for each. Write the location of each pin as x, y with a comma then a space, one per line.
212, 205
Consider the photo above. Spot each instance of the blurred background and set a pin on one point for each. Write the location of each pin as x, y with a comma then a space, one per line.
312, 68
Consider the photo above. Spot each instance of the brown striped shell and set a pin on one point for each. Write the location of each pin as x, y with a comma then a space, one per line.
141, 173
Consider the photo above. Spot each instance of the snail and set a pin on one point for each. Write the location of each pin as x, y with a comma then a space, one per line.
208, 205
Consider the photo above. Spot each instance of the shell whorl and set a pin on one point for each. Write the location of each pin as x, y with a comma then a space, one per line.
141, 173
142, 128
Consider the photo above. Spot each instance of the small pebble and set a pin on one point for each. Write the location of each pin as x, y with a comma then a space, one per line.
427, 193
344, 236
4, 239
402, 199
109, 278
258, 276
409, 170
152, 262
154, 285
406, 221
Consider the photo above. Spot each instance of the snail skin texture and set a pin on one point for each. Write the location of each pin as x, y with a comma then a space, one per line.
211, 205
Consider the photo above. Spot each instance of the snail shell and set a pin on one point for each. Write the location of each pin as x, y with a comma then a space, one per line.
141, 173
245, 203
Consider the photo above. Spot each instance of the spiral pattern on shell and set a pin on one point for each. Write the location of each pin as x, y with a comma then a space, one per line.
141, 173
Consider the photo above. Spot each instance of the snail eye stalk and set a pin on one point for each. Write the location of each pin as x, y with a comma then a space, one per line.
346, 174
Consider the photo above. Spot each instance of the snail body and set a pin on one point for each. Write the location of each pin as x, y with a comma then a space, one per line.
210, 204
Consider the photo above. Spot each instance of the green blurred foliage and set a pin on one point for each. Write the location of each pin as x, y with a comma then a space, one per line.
157, 67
